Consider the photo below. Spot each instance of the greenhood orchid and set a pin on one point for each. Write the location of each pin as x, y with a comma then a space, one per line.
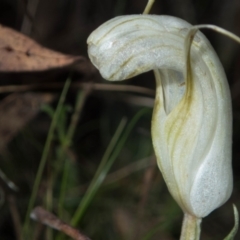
192, 118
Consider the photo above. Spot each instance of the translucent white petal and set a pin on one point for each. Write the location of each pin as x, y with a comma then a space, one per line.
192, 121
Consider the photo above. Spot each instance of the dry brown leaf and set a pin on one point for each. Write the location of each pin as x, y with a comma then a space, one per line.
43, 216
20, 53
16, 110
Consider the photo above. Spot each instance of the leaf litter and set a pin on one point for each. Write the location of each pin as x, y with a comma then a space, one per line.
20, 53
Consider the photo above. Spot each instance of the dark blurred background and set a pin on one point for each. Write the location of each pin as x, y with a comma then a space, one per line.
133, 202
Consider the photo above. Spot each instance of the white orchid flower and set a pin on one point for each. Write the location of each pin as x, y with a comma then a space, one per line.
192, 119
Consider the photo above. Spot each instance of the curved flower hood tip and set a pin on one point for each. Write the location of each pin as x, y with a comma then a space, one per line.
192, 119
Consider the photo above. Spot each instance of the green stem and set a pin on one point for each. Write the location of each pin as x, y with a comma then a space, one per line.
63, 187
233, 232
98, 178
148, 6
108, 159
44, 157
191, 228
81, 98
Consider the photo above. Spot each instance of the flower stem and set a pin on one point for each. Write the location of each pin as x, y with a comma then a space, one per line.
191, 228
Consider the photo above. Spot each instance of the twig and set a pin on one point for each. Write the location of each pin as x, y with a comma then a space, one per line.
94, 86
146, 186
138, 100
15, 217
129, 169
28, 21
8, 182
41, 215
119, 174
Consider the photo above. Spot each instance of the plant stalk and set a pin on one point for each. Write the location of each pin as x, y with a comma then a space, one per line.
43, 160
191, 227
